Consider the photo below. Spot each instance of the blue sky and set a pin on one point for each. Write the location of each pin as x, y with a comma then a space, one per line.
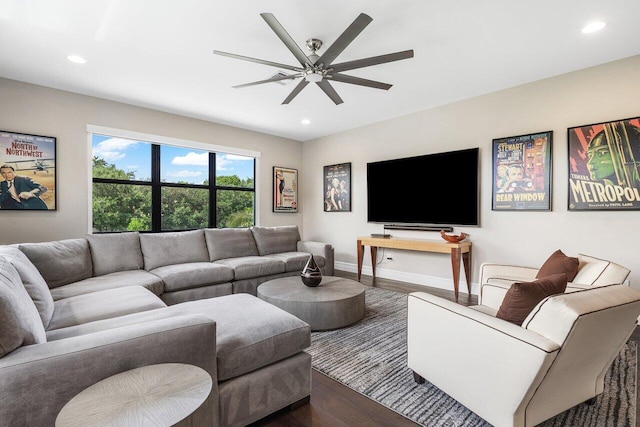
177, 163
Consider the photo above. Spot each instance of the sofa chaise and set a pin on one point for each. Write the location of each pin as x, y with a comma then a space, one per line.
76, 311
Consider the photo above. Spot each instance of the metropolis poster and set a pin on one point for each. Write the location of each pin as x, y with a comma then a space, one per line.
522, 172
604, 161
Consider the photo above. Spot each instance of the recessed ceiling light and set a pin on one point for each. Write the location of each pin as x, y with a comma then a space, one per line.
77, 59
593, 27
305, 121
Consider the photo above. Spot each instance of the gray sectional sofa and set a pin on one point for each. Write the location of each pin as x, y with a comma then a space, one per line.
73, 312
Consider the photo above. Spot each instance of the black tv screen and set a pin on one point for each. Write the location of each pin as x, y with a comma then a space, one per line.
433, 189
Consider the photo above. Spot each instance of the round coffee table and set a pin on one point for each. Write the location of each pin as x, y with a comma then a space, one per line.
335, 303
158, 395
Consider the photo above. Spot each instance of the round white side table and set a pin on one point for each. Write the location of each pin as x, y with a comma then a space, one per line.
154, 395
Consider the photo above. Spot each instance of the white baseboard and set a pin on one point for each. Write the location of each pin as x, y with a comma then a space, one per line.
418, 279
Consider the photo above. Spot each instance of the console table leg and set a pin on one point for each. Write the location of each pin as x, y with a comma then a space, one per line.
360, 252
466, 261
374, 256
455, 266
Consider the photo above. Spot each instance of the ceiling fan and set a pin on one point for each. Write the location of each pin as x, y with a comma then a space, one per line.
321, 69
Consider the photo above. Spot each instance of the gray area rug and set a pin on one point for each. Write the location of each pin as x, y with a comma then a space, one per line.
370, 357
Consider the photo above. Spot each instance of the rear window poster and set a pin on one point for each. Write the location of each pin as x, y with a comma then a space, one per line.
603, 166
522, 172
337, 188
28, 169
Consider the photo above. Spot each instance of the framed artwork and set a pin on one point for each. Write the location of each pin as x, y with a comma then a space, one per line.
522, 172
604, 161
337, 188
28, 169
285, 189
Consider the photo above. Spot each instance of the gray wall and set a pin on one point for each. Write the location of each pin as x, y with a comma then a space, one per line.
603, 93
38, 110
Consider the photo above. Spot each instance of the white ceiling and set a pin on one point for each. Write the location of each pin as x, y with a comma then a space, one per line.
159, 53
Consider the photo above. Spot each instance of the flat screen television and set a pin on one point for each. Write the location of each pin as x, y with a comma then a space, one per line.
433, 189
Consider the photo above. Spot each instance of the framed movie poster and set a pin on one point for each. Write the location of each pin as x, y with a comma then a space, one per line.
28, 168
285, 189
604, 161
522, 172
337, 188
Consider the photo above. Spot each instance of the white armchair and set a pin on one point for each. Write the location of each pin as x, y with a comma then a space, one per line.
517, 375
495, 279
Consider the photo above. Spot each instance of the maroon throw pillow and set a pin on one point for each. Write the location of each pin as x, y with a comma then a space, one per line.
558, 263
522, 297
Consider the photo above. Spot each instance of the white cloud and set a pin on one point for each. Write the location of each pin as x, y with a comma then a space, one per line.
224, 160
112, 149
192, 159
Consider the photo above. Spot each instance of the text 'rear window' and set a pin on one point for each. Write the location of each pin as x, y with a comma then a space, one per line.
146, 186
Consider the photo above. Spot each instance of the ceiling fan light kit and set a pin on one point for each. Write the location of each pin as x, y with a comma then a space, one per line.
320, 69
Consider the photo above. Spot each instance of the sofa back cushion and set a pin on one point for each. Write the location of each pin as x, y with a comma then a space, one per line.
60, 262
20, 323
599, 272
273, 240
177, 247
225, 243
32, 280
113, 252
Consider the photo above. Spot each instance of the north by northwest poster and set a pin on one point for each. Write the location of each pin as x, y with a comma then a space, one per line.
603, 166
522, 172
28, 169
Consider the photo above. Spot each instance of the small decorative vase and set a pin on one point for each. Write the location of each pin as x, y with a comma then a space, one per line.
311, 274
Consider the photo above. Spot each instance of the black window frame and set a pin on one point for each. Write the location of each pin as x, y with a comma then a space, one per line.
157, 184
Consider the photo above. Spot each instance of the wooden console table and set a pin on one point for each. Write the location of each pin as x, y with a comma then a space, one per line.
458, 251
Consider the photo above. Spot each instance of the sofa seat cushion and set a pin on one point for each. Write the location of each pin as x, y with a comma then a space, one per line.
103, 305
112, 252
20, 323
250, 333
177, 277
32, 280
295, 261
120, 279
60, 262
249, 267
178, 247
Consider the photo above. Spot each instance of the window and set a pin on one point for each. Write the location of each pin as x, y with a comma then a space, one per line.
141, 185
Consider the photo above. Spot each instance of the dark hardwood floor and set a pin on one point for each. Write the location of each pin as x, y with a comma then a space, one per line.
334, 405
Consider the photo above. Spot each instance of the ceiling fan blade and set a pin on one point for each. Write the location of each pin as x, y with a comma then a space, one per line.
286, 38
274, 79
330, 91
259, 61
374, 60
345, 39
296, 90
358, 81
